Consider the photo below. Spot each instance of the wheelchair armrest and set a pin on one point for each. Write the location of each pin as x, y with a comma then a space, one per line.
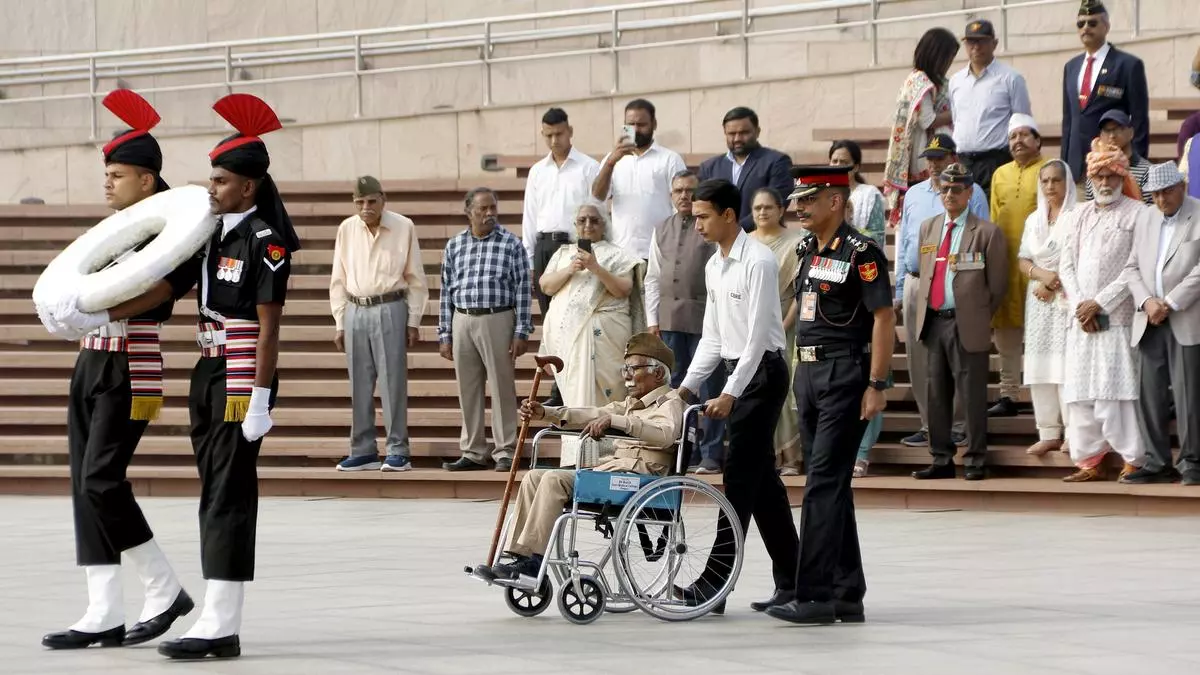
548, 432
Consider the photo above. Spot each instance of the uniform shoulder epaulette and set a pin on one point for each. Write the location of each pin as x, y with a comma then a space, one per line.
806, 245
260, 227
860, 242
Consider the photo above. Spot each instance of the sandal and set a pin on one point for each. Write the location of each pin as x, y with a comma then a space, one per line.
860, 468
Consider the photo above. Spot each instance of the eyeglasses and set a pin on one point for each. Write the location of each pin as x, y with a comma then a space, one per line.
1090, 23
630, 370
584, 220
953, 189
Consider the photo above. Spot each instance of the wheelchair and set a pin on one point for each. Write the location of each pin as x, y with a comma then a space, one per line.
658, 533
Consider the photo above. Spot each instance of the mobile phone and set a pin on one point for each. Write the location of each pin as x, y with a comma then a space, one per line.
627, 131
1102, 322
585, 245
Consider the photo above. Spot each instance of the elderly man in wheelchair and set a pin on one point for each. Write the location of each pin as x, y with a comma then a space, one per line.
650, 418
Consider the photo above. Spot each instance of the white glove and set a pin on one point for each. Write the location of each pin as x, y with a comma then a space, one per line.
258, 417
67, 315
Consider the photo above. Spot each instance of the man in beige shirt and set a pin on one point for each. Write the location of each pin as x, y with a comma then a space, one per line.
377, 292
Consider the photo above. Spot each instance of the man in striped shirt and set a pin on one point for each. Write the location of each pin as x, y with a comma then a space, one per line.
1116, 129
483, 327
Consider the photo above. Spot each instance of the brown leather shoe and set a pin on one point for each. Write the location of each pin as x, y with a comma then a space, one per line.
1042, 447
1126, 470
1085, 475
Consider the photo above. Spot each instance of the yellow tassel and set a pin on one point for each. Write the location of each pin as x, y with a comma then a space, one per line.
236, 408
145, 408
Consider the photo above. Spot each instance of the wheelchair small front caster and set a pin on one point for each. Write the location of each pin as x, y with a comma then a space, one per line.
529, 603
584, 606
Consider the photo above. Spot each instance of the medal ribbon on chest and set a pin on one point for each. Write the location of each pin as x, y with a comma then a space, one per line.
230, 270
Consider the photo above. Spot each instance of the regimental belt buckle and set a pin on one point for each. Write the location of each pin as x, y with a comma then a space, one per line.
808, 354
206, 339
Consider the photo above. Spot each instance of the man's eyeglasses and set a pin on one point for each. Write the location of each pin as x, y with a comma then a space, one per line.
953, 189
630, 370
1090, 23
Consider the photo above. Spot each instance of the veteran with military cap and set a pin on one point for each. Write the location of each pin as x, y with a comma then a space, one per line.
650, 416
845, 334
377, 292
963, 276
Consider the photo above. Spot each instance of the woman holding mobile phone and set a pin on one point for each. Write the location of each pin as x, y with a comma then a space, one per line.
595, 307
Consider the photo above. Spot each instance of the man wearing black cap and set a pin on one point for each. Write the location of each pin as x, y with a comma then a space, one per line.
1103, 78
964, 276
1116, 129
108, 410
845, 334
243, 285
984, 95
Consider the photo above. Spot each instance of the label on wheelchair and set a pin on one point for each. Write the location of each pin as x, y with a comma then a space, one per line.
624, 483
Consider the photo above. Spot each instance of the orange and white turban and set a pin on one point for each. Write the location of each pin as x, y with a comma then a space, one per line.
1105, 157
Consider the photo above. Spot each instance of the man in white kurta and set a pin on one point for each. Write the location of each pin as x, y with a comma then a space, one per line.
1101, 379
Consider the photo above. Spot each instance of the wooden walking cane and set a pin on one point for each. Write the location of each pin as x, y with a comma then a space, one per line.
542, 362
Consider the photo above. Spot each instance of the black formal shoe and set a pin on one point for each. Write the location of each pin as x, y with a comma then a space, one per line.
934, 472
1145, 476
807, 613
694, 596
974, 473
74, 639
504, 465
1191, 478
849, 612
463, 464
198, 648
778, 598
145, 631
1005, 407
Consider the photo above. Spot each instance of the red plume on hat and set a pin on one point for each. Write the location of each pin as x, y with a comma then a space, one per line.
250, 115
133, 110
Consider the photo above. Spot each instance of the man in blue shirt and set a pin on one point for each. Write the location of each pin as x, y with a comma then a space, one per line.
922, 202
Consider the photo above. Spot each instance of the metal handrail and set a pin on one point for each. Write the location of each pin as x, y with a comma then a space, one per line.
230, 58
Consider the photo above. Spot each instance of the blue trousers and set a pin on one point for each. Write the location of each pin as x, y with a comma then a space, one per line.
683, 345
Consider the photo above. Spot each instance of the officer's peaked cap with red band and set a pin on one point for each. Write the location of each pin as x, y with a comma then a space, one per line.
811, 179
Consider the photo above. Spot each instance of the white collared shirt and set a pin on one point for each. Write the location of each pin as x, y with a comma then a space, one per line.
1097, 66
1165, 235
228, 222
641, 197
742, 318
983, 105
553, 192
735, 167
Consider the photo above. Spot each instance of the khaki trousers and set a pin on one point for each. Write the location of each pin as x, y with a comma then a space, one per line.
540, 501
1009, 342
480, 349
918, 356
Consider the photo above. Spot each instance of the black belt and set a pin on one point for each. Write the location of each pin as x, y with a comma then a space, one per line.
484, 311
983, 153
731, 364
814, 353
940, 313
377, 299
563, 237
914, 274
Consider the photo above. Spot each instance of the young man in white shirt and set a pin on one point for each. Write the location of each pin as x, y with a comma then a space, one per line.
637, 176
743, 333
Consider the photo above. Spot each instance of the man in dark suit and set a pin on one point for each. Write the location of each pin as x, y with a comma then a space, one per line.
1103, 78
747, 164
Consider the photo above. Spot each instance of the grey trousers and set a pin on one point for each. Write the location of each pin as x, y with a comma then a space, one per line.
480, 349
377, 350
1169, 367
918, 357
953, 368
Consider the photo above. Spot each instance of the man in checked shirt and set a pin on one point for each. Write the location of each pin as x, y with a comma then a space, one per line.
483, 327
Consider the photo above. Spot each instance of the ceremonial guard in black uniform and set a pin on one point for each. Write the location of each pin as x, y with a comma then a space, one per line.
116, 389
845, 333
242, 287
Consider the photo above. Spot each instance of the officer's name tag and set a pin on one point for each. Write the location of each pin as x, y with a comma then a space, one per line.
735, 295
623, 484
808, 306
968, 261
828, 269
928, 248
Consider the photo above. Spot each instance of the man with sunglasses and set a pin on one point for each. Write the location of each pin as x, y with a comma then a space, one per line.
964, 276
1103, 78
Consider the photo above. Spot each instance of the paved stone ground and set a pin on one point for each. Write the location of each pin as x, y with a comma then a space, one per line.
349, 586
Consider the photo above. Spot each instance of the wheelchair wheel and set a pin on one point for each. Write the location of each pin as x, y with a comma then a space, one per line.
676, 535
529, 603
581, 609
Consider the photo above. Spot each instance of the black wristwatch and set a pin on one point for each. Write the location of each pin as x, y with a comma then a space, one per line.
879, 385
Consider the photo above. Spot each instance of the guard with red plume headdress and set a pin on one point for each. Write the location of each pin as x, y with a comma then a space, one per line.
134, 146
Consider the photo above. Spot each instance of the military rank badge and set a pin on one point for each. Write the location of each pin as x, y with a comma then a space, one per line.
868, 272
274, 258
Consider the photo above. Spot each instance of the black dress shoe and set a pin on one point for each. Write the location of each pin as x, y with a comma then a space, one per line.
1005, 407
74, 639
144, 631
974, 473
934, 472
1145, 476
780, 597
693, 596
198, 648
808, 613
463, 464
849, 612
1191, 478
504, 465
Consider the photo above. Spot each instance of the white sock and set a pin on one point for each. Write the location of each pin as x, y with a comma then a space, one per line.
159, 580
222, 613
105, 602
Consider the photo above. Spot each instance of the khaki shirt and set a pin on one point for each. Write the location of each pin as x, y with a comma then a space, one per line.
653, 421
366, 264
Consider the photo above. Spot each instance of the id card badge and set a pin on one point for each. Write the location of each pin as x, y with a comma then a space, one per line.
808, 306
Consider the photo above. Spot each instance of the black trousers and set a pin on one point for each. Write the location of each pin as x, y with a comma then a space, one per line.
1169, 371
543, 250
983, 164
100, 440
951, 367
829, 397
752, 485
228, 466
